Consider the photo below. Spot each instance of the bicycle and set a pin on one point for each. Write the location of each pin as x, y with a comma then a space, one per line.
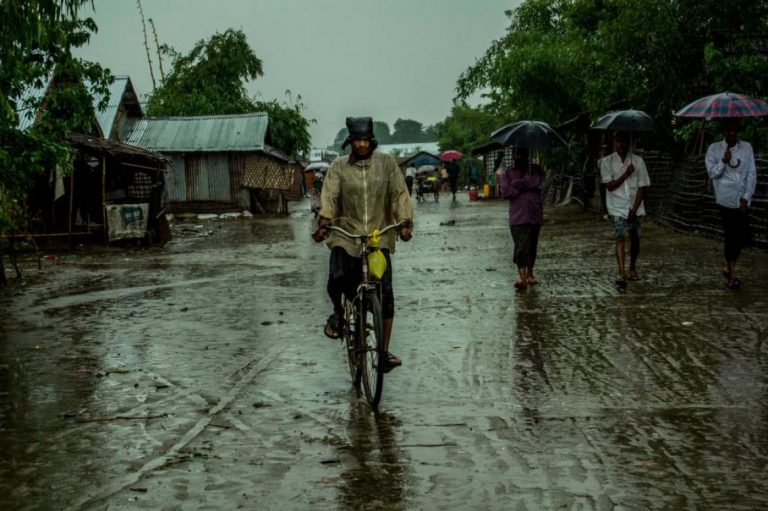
363, 326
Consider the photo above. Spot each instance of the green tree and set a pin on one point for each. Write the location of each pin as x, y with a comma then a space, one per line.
534, 71
381, 132
407, 131
211, 80
430, 134
288, 128
36, 42
341, 136
562, 57
466, 127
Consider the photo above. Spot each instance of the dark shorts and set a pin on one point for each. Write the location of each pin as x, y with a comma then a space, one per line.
345, 273
622, 227
735, 231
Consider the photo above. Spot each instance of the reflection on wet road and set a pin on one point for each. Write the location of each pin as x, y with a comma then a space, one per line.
197, 376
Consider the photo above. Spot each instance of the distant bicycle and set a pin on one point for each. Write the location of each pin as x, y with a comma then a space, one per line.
363, 328
427, 184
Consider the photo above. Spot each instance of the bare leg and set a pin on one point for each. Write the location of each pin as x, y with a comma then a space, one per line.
393, 361
523, 282
387, 333
620, 259
634, 252
531, 279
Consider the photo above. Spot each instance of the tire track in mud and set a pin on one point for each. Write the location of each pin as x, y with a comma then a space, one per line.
174, 451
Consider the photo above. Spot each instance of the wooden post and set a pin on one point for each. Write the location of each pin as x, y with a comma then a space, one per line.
71, 203
104, 195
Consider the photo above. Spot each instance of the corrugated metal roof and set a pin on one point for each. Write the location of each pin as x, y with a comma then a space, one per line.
29, 102
209, 133
106, 118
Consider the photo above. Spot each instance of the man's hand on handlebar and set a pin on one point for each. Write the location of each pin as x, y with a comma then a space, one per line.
322, 230
405, 231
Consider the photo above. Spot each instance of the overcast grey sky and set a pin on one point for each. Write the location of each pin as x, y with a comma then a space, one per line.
388, 59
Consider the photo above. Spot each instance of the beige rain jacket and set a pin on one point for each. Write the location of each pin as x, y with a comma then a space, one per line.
363, 196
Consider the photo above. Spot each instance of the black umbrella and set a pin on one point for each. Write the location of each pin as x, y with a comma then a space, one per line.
531, 134
625, 120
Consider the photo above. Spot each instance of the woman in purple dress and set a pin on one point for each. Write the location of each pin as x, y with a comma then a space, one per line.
521, 184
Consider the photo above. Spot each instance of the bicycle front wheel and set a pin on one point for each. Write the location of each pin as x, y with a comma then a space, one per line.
371, 332
351, 327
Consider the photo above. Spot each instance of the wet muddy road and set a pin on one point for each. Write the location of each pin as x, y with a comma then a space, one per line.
197, 376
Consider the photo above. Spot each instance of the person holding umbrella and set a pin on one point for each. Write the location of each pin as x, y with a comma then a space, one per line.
521, 184
731, 166
626, 182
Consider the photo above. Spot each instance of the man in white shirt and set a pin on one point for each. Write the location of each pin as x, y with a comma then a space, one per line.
626, 182
731, 166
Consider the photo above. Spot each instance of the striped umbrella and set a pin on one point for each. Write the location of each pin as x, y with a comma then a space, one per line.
723, 106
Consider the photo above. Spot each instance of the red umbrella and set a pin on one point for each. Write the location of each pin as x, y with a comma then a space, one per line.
724, 106
451, 155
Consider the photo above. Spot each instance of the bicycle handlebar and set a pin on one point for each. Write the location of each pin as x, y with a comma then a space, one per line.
361, 236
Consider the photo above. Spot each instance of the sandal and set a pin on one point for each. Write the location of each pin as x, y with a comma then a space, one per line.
621, 284
332, 327
390, 361
532, 281
521, 285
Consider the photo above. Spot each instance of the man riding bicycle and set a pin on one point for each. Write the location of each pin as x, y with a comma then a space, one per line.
362, 191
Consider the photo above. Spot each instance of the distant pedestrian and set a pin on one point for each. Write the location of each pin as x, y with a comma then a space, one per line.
492, 184
316, 190
731, 166
410, 175
473, 176
521, 184
626, 182
498, 170
453, 176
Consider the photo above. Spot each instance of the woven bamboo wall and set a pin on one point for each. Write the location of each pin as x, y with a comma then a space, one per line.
265, 173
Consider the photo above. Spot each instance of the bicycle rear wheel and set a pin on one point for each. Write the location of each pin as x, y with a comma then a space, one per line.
350, 343
371, 331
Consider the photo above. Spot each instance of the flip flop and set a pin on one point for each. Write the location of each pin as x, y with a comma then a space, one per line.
390, 361
333, 323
